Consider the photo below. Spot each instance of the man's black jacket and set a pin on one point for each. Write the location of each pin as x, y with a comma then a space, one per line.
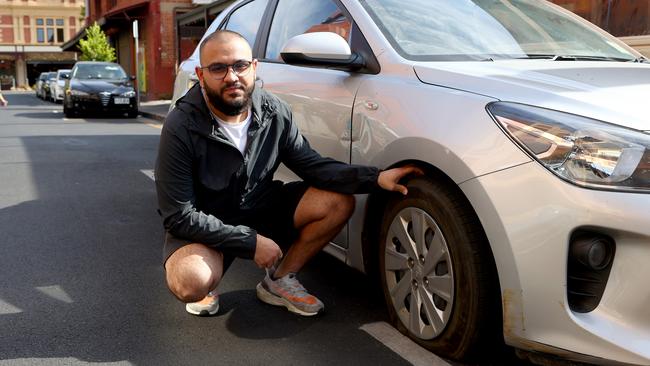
201, 176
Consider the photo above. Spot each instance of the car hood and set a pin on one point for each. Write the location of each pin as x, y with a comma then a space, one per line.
614, 92
96, 86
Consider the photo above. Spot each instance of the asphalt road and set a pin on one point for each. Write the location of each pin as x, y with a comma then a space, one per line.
81, 278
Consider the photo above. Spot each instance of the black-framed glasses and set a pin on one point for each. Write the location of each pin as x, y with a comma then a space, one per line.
219, 71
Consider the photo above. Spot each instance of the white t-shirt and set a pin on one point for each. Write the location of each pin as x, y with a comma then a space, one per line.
237, 132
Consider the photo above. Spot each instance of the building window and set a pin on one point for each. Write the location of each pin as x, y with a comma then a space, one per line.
50, 30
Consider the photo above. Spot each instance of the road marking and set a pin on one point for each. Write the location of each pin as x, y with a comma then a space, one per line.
59, 361
56, 292
402, 345
7, 308
154, 125
148, 173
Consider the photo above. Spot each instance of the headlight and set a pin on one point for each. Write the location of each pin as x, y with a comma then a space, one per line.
129, 94
77, 92
580, 150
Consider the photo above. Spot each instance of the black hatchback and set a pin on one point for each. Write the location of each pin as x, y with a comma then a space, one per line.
99, 88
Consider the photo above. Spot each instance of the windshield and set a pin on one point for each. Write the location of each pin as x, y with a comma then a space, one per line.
430, 30
101, 71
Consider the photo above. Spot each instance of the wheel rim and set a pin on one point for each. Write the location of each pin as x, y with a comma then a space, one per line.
419, 273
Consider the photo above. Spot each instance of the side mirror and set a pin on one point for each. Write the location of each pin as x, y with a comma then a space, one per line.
325, 49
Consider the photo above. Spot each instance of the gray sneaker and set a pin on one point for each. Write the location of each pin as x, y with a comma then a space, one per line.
288, 292
206, 307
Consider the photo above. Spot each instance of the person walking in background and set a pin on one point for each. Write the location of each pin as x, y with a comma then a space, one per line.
3, 101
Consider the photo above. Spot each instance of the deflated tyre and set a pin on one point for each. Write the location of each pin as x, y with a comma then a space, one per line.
437, 272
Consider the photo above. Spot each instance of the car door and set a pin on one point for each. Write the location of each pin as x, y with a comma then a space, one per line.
321, 99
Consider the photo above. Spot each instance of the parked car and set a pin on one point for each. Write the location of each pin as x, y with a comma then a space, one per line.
38, 88
45, 86
98, 88
531, 225
57, 84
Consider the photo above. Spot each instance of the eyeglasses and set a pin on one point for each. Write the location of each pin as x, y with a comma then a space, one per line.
219, 71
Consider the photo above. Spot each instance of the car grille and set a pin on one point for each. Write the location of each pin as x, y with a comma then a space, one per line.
105, 97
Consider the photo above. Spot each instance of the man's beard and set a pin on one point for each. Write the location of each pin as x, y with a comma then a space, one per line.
232, 108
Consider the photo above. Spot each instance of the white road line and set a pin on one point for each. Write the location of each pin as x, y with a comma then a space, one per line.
154, 125
402, 345
148, 173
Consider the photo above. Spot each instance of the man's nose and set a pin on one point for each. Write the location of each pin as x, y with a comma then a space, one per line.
231, 75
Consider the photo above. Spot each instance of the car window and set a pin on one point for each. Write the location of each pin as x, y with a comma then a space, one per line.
314, 16
441, 30
246, 19
100, 71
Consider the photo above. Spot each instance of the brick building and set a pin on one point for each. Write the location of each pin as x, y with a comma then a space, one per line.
31, 33
156, 39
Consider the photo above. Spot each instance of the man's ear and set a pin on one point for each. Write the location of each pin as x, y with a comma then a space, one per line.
199, 73
254, 68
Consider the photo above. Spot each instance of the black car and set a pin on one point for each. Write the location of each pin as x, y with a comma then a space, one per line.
99, 88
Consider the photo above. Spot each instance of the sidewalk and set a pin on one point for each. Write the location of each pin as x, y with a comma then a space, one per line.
155, 109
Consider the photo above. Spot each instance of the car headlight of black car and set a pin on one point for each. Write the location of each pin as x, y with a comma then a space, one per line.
77, 93
128, 94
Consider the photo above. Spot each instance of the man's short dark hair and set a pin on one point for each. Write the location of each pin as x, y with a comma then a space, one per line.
220, 34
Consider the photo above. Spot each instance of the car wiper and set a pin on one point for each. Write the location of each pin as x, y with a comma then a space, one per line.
577, 58
642, 59
590, 58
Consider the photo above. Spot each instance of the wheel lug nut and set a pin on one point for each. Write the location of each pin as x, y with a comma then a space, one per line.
421, 259
411, 262
415, 283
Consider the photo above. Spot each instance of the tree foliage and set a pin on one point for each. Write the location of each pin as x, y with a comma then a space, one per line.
95, 46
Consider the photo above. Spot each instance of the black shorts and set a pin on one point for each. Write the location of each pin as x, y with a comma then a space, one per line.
273, 219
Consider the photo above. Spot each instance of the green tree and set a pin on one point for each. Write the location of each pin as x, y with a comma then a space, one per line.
95, 46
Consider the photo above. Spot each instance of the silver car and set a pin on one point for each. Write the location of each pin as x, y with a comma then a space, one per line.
40, 81
532, 224
57, 85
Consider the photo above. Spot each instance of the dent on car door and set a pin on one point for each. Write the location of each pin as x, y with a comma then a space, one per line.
321, 99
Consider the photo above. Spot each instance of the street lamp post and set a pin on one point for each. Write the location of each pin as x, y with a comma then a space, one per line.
137, 69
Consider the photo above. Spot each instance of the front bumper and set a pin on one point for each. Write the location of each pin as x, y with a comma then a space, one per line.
93, 103
529, 216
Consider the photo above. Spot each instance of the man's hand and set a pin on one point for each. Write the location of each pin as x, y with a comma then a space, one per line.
267, 252
389, 179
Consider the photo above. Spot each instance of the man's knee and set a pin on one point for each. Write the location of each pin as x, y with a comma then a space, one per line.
190, 291
192, 271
